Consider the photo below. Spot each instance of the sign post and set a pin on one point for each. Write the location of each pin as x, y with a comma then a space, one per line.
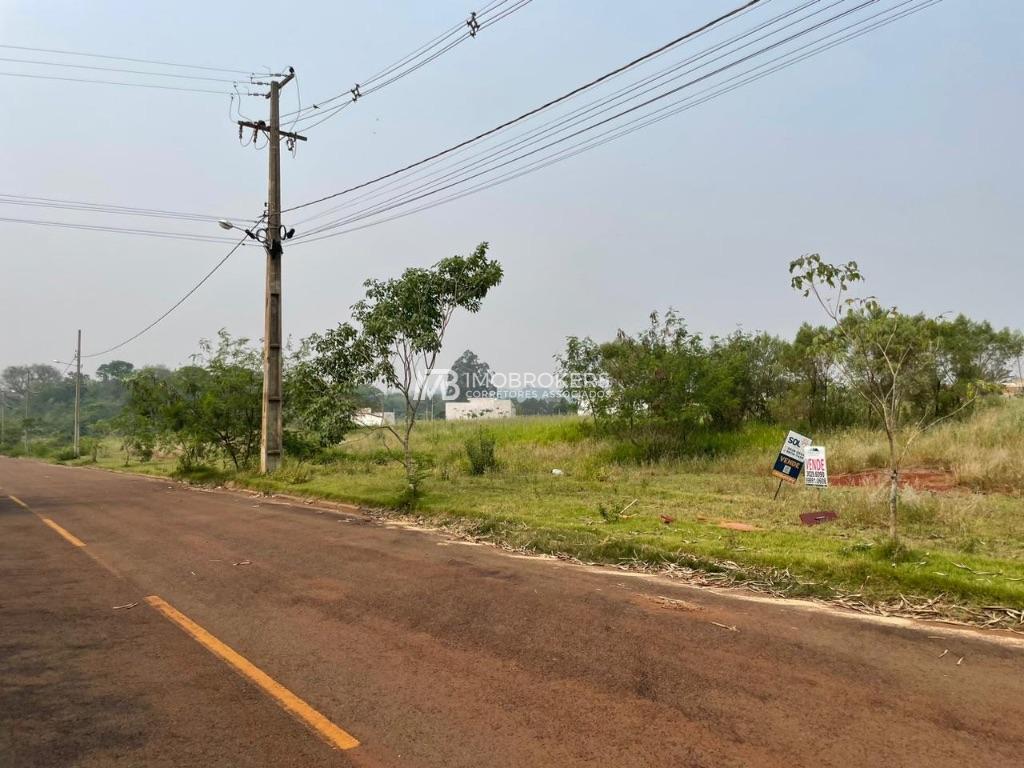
791, 459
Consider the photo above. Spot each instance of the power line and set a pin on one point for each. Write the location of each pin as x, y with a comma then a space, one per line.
115, 69
523, 142
398, 201
387, 206
547, 105
622, 95
113, 82
503, 14
126, 58
430, 44
465, 36
179, 302
406, 65
395, 66
106, 208
785, 60
120, 230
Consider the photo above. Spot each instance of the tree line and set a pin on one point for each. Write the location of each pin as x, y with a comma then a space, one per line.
668, 385
209, 411
663, 390
37, 406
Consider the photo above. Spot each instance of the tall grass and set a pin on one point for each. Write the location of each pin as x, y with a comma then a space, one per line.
983, 452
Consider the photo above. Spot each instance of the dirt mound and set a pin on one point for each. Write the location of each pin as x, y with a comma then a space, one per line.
918, 479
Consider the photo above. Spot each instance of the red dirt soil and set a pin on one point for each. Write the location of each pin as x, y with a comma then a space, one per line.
733, 526
918, 479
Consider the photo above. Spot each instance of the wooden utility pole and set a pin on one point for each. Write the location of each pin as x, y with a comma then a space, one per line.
271, 433
78, 394
28, 390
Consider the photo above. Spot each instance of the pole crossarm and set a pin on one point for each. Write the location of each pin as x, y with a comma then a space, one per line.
261, 125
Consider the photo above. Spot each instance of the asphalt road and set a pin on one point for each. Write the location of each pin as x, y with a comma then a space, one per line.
430, 652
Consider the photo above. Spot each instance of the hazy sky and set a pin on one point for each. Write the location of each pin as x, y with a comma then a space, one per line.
900, 149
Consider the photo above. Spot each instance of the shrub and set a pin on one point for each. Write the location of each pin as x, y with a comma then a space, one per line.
480, 451
90, 449
301, 446
293, 473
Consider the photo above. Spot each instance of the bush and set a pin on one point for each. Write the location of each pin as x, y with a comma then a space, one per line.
139, 445
480, 451
301, 446
90, 449
293, 472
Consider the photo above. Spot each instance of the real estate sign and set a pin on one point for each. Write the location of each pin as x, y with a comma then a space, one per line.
791, 457
815, 466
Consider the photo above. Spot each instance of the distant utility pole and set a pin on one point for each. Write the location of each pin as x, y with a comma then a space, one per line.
273, 422
28, 391
78, 393
77, 434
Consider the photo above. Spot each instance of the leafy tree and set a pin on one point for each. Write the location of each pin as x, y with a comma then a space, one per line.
750, 371
400, 329
34, 387
970, 357
665, 385
886, 357
210, 407
115, 370
545, 406
584, 378
321, 392
29, 378
232, 404
815, 395
473, 376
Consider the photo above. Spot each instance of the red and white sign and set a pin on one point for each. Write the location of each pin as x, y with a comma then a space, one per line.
815, 466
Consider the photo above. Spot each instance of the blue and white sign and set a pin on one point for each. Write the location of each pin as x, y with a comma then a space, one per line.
791, 457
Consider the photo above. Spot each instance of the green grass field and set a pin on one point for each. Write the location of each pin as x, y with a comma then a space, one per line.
965, 544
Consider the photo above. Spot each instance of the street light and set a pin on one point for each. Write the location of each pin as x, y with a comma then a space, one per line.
225, 224
286, 234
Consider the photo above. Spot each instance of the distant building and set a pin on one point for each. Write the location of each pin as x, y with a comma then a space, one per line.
479, 408
367, 417
1013, 388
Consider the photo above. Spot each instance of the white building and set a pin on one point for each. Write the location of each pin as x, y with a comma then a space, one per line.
479, 408
367, 417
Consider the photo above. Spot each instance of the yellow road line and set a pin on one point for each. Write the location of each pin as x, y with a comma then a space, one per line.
331, 733
65, 533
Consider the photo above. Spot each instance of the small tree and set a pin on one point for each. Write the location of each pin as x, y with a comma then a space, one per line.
321, 393
886, 357
402, 325
230, 408
212, 406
